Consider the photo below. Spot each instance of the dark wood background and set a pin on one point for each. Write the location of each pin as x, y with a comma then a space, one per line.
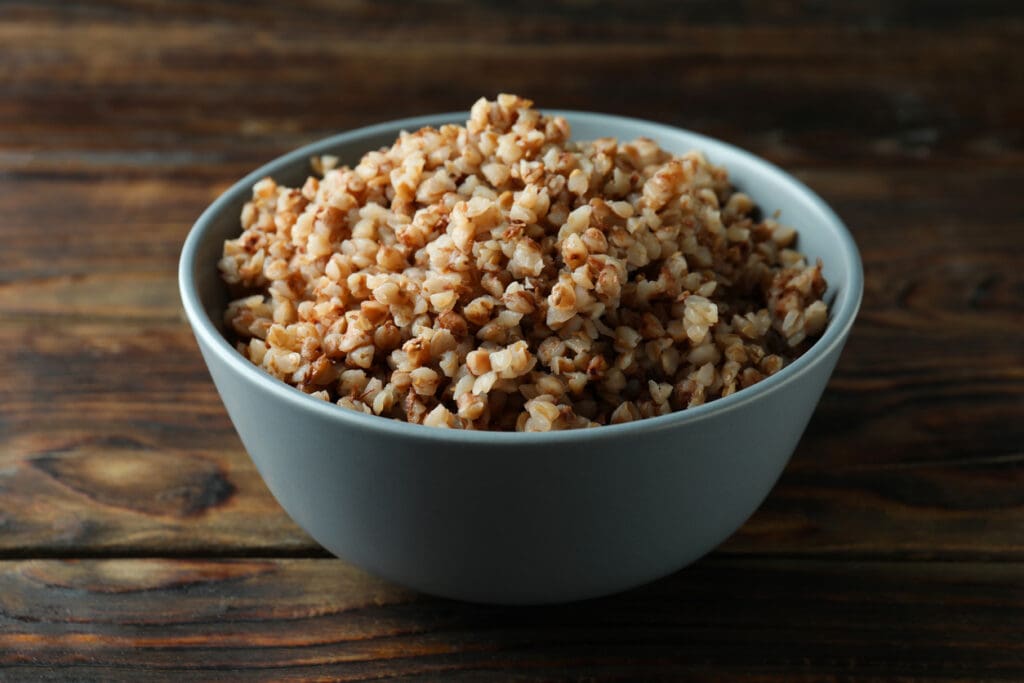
137, 540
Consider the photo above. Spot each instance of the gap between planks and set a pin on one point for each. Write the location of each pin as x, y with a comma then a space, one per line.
909, 557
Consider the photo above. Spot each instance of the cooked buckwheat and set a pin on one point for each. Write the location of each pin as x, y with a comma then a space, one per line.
500, 276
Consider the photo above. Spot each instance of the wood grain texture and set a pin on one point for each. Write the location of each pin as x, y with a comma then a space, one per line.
138, 541
894, 463
242, 84
721, 619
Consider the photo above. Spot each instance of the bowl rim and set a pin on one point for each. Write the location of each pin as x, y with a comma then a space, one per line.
843, 310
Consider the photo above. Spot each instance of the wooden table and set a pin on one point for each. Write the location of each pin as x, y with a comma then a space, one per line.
136, 539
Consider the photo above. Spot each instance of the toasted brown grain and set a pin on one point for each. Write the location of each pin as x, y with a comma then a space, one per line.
501, 276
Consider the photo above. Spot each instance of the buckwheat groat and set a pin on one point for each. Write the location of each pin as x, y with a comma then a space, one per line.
500, 276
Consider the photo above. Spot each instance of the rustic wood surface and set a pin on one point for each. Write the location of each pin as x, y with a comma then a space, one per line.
137, 540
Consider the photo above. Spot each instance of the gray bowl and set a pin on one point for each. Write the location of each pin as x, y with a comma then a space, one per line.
519, 517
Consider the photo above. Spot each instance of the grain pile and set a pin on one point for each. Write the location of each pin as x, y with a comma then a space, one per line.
499, 276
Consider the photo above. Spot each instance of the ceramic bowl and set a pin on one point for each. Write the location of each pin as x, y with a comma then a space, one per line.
523, 517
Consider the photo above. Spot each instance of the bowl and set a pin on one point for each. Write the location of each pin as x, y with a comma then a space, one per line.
523, 518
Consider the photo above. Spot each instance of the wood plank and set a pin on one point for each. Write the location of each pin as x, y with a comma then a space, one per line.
914, 450
957, 224
121, 445
974, 287
112, 296
190, 96
741, 620
876, 15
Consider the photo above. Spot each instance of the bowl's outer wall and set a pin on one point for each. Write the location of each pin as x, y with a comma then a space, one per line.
512, 524
552, 522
